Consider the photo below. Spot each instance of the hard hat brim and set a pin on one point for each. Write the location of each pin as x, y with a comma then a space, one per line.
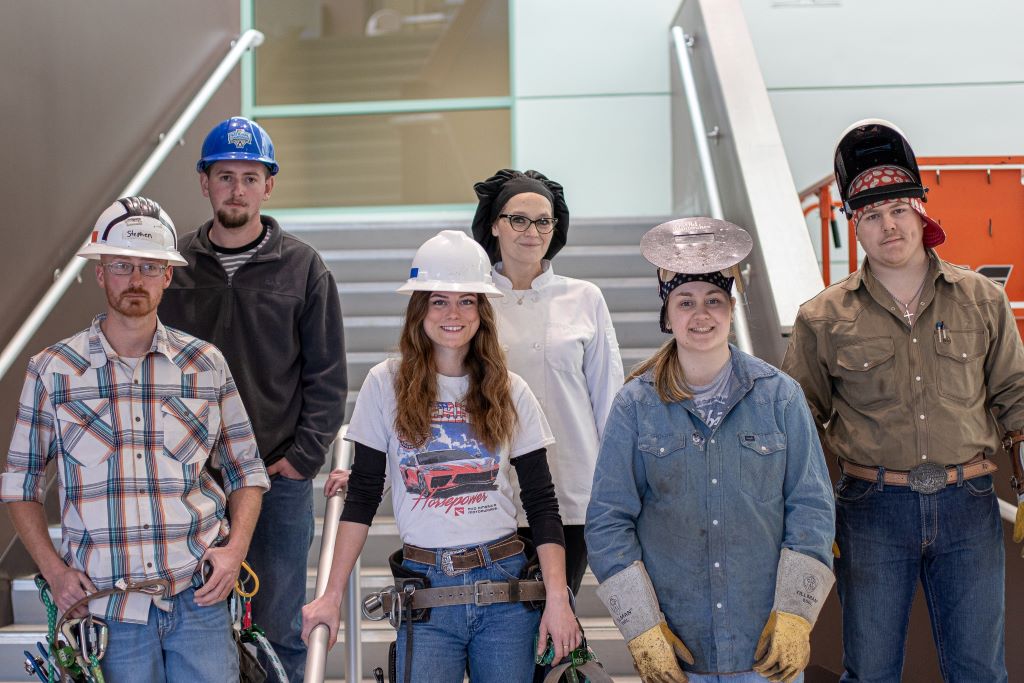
411, 286
207, 162
95, 250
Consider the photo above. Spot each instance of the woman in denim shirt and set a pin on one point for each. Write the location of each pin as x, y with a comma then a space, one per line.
711, 519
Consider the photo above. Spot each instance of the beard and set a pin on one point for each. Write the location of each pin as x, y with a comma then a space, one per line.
132, 306
238, 219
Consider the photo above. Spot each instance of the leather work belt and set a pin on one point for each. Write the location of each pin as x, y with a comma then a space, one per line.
480, 593
926, 478
461, 560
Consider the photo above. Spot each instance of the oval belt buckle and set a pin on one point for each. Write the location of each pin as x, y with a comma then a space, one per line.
927, 478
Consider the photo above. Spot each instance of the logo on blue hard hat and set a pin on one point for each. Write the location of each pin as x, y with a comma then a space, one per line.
239, 138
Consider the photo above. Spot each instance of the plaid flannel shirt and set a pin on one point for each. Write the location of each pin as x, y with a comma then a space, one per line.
133, 448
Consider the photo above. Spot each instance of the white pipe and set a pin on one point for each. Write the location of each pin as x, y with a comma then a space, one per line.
316, 654
21, 338
700, 138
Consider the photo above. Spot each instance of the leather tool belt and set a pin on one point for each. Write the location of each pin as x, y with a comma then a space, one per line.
479, 593
926, 478
461, 560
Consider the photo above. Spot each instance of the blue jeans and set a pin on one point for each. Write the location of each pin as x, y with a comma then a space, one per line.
496, 640
745, 677
278, 554
188, 643
889, 537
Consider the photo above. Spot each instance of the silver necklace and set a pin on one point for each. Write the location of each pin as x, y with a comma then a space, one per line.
906, 306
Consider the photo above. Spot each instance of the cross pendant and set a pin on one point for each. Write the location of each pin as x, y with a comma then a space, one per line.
909, 316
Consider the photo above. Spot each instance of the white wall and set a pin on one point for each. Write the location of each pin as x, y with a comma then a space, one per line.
949, 73
590, 80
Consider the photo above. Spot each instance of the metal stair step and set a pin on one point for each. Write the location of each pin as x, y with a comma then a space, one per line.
604, 638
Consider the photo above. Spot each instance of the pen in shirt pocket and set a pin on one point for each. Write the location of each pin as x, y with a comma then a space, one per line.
940, 328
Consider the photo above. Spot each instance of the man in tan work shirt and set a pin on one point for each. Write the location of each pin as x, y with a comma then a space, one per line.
904, 363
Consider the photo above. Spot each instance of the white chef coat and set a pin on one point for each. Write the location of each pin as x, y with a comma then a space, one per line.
558, 336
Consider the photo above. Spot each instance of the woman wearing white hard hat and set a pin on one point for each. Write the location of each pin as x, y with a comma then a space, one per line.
447, 420
556, 332
711, 521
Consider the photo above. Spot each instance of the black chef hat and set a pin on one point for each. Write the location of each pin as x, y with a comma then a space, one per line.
495, 192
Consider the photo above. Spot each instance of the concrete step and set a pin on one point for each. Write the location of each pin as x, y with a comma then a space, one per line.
622, 294
380, 333
329, 232
392, 264
375, 637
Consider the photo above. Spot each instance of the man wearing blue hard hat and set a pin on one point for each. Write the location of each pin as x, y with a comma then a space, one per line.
268, 301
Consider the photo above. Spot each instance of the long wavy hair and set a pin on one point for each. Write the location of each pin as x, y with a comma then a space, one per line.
488, 399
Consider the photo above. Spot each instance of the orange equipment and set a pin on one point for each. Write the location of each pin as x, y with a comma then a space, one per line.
978, 201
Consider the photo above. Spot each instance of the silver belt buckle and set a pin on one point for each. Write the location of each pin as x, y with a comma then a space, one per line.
446, 562
927, 478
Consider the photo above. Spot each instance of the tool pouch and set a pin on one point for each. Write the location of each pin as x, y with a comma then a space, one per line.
531, 570
404, 576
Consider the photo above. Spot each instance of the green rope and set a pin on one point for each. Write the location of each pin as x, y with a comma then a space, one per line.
94, 668
51, 622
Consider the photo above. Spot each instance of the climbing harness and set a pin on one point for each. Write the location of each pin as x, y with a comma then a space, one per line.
75, 645
245, 631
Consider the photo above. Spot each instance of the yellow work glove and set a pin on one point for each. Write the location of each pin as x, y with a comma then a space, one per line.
654, 655
784, 648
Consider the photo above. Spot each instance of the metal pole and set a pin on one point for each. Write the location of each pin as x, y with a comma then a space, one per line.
316, 654
21, 338
700, 137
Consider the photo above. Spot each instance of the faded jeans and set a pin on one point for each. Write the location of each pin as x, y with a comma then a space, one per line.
496, 640
889, 538
279, 554
188, 643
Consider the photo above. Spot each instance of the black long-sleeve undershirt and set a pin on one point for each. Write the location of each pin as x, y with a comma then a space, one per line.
366, 490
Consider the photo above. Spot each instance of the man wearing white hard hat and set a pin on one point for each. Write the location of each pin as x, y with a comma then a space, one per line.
905, 364
135, 415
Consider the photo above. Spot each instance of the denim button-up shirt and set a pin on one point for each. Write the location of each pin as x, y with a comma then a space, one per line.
709, 511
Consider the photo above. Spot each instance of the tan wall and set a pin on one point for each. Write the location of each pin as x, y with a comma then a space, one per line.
85, 91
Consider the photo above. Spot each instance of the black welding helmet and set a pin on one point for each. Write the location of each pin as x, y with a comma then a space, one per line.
868, 144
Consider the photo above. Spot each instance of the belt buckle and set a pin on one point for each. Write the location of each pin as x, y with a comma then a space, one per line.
927, 478
446, 562
478, 598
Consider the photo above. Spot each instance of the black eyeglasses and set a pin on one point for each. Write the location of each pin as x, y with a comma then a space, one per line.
147, 269
522, 223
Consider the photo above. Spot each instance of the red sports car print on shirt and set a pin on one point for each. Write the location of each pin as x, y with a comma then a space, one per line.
442, 473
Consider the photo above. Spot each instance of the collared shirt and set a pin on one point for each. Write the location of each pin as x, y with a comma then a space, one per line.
708, 511
890, 395
132, 448
558, 336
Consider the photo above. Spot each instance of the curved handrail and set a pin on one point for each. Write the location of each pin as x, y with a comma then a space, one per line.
682, 43
316, 654
250, 39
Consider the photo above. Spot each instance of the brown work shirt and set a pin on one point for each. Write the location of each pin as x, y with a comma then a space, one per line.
885, 394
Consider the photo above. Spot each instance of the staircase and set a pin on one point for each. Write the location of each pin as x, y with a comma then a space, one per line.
369, 262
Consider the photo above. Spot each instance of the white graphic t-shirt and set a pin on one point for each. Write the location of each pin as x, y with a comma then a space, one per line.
450, 491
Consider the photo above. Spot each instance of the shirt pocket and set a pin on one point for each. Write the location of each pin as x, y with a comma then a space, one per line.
86, 433
189, 425
866, 372
664, 459
762, 464
960, 372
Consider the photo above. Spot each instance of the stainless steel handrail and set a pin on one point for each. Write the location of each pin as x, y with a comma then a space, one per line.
316, 655
700, 137
250, 39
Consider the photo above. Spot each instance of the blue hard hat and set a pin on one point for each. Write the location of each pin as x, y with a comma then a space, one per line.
238, 138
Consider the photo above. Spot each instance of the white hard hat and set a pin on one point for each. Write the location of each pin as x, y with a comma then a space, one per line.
451, 262
134, 226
